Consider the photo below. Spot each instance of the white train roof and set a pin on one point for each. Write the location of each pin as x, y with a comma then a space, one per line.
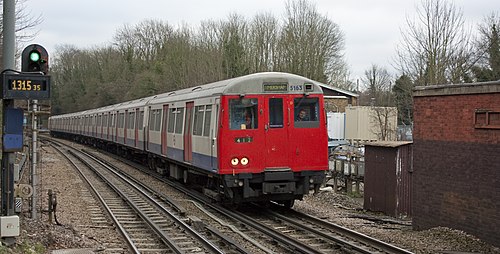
249, 84
245, 85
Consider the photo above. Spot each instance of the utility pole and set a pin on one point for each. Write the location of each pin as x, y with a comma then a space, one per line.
31, 83
8, 52
8, 219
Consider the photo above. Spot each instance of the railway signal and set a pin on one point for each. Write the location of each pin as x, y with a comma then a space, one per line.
35, 59
32, 82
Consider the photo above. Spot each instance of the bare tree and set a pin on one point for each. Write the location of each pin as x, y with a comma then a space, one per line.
235, 47
310, 43
436, 46
488, 47
25, 24
340, 76
384, 118
143, 41
153, 57
208, 44
264, 30
377, 82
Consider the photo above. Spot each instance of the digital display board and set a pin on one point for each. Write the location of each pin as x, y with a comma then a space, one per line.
26, 86
275, 87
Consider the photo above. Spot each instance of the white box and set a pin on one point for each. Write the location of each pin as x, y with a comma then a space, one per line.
9, 226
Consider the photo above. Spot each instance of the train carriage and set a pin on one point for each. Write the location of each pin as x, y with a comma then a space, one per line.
128, 129
260, 137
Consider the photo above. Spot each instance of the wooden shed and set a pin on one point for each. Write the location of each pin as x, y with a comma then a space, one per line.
388, 177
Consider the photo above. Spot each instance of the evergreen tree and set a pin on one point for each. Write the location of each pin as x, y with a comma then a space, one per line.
233, 61
489, 46
403, 94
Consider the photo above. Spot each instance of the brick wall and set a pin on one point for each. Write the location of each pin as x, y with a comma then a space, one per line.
336, 105
456, 166
451, 118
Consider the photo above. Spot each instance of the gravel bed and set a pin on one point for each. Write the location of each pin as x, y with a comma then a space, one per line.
346, 211
40, 236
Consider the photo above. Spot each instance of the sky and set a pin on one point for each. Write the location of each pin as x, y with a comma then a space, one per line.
372, 29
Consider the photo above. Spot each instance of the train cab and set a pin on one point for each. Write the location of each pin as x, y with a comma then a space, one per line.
274, 138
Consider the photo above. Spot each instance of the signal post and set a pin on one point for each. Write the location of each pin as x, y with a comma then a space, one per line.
33, 84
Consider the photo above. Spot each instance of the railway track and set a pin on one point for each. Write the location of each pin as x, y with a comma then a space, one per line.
324, 236
273, 230
294, 231
147, 222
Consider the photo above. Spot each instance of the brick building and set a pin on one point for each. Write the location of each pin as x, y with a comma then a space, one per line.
456, 176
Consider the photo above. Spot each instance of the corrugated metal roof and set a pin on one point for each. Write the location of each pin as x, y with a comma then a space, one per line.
388, 143
337, 89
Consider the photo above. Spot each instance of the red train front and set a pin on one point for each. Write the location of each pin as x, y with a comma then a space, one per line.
272, 139
260, 137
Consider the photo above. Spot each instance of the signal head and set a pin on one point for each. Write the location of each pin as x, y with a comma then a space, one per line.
34, 56
35, 59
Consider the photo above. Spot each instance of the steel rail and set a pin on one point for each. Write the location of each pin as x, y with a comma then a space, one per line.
288, 242
164, 238
132, 182
359, 237
117, 223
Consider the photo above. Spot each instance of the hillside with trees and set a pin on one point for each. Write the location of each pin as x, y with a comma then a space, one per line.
153, 56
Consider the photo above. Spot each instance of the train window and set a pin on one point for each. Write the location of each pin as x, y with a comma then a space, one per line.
131, 121
158, 120
276, 113
141, 119
121, 120
243, 114
155, 120
151, 120
306, 112
208, 116
198, 120
178, 120
171, 120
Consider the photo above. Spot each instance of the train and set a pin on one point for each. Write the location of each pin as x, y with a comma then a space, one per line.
255, 138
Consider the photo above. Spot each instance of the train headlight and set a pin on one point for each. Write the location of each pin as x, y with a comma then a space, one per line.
234, 161
244, 161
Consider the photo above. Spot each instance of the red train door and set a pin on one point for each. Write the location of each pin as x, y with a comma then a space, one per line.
277, 125
164, 131
125, 122
146, 135
137, 115
108, 123
116, 126
101, 124
188, 144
